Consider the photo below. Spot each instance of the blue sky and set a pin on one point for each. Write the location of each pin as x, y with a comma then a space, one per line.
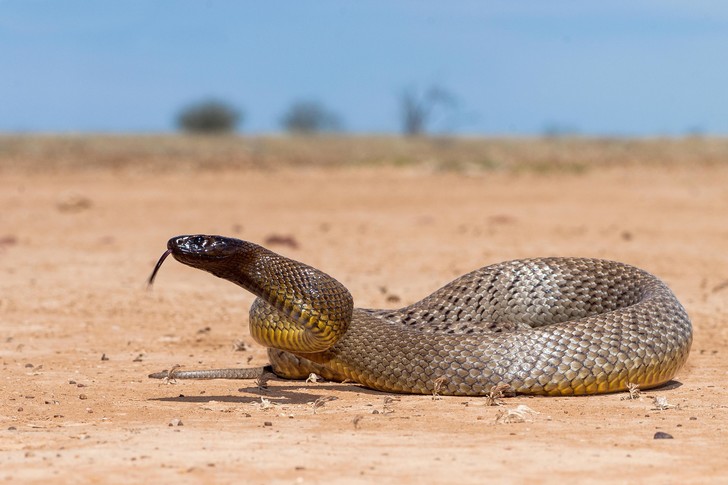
607, 68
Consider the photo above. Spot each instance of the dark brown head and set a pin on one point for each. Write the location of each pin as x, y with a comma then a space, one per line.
200, 250
218, 255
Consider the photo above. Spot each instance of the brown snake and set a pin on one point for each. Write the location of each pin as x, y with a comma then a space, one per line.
551, 326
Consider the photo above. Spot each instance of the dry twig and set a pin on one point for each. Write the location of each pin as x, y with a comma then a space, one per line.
633, 390
439, 382
498, 392
320, 402
660, 403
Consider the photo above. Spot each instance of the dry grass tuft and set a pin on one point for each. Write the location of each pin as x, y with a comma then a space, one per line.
387, 404
438, 384
633, 390
321, 402
498, 392
660, 404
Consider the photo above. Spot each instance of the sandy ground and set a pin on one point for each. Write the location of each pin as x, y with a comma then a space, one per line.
79, 332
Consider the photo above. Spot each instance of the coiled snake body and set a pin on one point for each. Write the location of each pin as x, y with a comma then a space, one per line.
551, 326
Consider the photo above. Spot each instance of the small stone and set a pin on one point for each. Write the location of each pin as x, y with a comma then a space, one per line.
662, 436
82, 396
176, 422
267, 423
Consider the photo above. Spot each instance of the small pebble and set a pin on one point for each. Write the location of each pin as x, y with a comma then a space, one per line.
662, 436
176, 422
267, 423
82, 396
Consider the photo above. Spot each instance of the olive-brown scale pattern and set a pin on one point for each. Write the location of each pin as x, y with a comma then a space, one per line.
551, 326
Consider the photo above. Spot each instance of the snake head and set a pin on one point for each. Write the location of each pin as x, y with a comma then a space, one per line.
201, 251
208, 253
224, 257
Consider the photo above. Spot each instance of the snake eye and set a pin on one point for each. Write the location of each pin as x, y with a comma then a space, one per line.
198, 241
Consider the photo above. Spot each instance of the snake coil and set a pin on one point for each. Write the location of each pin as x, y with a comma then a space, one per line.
549, 326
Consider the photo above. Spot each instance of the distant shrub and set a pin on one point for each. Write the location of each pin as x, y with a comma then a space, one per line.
309, 117
209, 117
419, 109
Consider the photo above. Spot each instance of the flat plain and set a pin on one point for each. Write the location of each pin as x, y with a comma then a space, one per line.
83, 220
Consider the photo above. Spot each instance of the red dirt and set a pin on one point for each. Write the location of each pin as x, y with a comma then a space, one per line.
79, 332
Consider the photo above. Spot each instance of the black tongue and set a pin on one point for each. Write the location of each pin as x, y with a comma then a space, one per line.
150, 282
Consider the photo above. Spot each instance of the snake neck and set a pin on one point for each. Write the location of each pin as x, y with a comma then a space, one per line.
298, 308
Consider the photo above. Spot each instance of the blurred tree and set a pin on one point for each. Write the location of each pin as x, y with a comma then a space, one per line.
555, 129
309, 117
209, 117
418, 109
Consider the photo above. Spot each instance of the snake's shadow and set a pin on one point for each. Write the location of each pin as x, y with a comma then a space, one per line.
285, 394
297, 393
668, 386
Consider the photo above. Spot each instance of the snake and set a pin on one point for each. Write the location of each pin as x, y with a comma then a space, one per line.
555, 326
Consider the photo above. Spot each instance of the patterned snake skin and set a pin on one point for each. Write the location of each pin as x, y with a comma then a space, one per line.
552, 326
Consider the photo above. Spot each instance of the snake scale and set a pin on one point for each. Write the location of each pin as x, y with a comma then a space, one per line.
549, 326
